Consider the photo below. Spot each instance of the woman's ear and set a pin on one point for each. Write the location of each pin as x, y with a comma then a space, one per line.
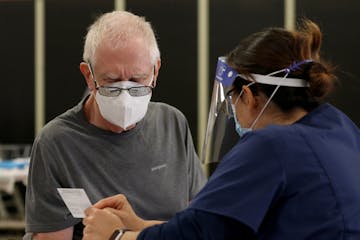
248, 97
85, 70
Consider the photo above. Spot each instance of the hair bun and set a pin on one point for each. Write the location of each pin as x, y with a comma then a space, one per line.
321, 79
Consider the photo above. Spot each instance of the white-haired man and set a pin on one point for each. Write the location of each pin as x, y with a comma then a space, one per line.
115, 140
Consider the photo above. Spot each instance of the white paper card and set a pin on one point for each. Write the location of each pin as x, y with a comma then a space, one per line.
76, 201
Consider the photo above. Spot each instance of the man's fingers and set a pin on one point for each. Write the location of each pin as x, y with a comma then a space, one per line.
89, 211
88, 215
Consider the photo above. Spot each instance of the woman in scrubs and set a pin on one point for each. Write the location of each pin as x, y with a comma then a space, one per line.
294, 173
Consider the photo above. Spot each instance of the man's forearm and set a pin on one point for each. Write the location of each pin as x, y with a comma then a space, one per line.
130, 235
65, 234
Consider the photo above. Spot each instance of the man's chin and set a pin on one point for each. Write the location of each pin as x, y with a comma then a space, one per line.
118, 129
129, 127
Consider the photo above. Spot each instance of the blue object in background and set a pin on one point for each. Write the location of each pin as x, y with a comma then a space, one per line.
13, 164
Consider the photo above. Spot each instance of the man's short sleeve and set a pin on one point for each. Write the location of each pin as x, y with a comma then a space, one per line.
197, 178
45, 210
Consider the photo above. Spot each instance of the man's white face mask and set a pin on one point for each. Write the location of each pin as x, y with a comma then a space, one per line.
126, 109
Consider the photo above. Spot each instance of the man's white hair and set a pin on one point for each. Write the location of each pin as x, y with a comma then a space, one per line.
118, 27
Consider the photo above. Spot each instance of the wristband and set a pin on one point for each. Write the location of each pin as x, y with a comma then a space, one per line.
117, 234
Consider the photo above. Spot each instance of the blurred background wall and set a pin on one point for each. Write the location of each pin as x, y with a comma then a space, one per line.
176, 24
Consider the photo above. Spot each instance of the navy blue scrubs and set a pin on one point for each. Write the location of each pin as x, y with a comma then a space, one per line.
300, 181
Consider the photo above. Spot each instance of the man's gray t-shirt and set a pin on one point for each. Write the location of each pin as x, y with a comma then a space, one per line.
154, 165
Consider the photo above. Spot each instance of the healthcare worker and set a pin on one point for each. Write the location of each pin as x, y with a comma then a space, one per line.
293, 174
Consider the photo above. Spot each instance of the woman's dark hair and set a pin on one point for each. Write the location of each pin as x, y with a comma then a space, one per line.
274, 49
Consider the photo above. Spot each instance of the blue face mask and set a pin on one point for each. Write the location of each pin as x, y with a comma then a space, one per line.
240, 130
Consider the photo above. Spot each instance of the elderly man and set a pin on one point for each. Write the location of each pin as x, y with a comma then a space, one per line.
115, 140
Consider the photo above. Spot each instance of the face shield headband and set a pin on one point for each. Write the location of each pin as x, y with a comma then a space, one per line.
226, 75
269, 79
219, 130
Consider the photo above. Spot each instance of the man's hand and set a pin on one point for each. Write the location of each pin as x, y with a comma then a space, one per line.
100, 223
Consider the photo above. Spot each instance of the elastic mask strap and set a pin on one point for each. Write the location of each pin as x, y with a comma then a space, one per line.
237, 99
267, 103
294, 83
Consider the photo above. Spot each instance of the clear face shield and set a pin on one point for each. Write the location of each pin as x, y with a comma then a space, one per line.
220, 134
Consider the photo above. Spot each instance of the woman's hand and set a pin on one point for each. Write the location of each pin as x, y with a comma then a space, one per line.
119, 206
100, 223
112, 213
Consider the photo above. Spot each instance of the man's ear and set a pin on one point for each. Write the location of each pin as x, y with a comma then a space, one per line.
85, 70
156, 72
